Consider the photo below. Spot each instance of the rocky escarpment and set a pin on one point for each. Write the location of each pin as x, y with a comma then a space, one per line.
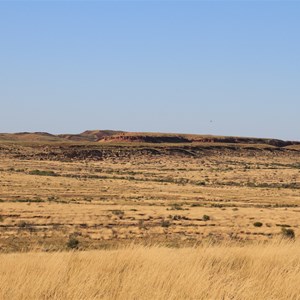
100, 152
146, 139
237, 140
185, 138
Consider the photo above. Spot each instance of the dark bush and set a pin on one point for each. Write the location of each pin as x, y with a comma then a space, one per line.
288, 233
257, 224
22, 224
42, 173
206, 218
165, 223
176, 206
73, 243
118, 212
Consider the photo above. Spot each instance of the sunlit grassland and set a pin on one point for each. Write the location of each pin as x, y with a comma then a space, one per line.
221, 271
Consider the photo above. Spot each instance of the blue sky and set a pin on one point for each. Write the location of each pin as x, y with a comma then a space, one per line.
211, 67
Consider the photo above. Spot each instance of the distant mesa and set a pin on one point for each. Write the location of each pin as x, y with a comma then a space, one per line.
137, 137
117, 136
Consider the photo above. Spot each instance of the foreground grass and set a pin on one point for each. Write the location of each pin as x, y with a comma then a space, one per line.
257, 271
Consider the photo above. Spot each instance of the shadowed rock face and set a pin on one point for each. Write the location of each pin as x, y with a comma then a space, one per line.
103, 151
163, 138
147, 139
237, 140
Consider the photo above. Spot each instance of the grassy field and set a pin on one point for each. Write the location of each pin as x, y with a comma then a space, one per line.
151, 221
256, 271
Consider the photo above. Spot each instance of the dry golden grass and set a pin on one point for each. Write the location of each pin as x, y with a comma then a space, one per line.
252, 271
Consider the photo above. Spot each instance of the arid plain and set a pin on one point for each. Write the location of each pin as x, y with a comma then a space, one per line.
105, 191
106, 194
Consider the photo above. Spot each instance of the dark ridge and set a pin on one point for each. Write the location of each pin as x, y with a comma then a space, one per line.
148, 139
116, 136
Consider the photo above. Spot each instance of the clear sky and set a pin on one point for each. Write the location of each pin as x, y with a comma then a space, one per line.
211, 67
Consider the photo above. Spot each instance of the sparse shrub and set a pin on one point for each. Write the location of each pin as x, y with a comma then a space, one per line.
141, 224
88, 199
287, 233
206, 218
176, 217
200, 183
196, 205
22, 224
217, 205
118, 212
257, 224
72, 243
283, 225
182, 181
42, 173
114, 233
176, 206
37, 200
165, 223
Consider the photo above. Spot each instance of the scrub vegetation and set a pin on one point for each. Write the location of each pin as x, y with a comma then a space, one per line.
148, 218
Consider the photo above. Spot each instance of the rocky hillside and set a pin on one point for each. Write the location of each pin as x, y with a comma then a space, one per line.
116, 137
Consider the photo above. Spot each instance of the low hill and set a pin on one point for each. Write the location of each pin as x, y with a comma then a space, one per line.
114, 136
90, 135
30, 137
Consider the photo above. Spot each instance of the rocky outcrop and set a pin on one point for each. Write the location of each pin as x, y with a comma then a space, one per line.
146, 139
175, 139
